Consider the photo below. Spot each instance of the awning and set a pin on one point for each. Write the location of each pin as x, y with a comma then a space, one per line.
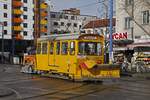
143, 44
117, 42
120, 48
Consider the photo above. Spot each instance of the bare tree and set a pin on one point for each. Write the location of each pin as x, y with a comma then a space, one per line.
130, 11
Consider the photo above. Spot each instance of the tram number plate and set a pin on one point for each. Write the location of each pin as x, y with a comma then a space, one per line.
113, 73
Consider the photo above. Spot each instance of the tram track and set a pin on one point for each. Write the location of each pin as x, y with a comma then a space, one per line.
55, 92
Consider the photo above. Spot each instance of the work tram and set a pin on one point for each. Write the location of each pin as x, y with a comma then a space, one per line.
73, 56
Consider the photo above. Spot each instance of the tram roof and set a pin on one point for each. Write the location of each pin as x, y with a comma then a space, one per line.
61, 37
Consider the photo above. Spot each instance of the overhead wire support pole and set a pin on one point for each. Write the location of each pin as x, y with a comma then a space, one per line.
110, 31
2, 50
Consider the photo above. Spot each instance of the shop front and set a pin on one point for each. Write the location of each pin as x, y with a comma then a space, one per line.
121, 52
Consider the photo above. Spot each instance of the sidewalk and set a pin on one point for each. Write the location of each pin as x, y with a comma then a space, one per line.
142, 75
136, 75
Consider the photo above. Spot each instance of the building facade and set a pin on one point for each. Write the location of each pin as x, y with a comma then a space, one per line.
5, 12
133, 17
68, 22
18, 29
100, 26
28, 19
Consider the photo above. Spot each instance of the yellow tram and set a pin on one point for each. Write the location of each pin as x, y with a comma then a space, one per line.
74, 56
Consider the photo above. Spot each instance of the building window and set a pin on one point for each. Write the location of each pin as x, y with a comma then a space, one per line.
66, 17
25, 1
62, 23
25, 17
102, 31
45, 27
114, 30
75, 25
25, 25
68, 24
55, 23
5, 23
25, 8
80, 26
64, 48
60, 16
127, 22
53, 16
5, 6
128, 2
72, 17
5, 15
145, 17
5, 32
25, 33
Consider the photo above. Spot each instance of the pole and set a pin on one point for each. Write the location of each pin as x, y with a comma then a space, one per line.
13, 36
110, 30
2, 59
132, 28
106, 32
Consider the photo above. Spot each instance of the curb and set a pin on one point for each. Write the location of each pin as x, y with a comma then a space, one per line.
142, 76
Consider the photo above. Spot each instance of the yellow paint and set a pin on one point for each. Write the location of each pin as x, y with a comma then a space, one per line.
18, 11
71, 64
90, 63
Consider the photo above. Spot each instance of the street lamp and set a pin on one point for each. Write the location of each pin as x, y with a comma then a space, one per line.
2, 58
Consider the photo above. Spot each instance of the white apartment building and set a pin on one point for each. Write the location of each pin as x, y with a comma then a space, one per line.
133, 17
28, 19
67, 23
18, 17
5, 17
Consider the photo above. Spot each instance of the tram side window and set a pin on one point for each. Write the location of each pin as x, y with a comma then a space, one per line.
51, 47
44, 48
58, 48
38, 48
99, 49
72, 48
64, 48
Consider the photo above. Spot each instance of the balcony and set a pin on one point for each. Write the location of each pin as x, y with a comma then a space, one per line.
43, 22
18, 37
17, 3
17, 11
18, 28
43, 30
44, 14
17, 20
43, 6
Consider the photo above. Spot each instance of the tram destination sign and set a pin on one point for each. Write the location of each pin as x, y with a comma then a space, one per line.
89, 37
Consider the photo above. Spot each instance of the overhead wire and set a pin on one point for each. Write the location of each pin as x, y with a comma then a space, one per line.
90, 4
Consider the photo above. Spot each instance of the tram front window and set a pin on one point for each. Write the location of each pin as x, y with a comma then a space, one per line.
90, 48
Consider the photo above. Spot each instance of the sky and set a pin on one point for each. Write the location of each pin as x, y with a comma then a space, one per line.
87, 7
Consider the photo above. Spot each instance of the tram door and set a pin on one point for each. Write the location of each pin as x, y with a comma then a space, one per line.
51, 55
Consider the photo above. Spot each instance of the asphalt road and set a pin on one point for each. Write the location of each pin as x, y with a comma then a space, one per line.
33, 87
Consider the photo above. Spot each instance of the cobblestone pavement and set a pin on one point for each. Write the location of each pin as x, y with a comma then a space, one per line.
33, 87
